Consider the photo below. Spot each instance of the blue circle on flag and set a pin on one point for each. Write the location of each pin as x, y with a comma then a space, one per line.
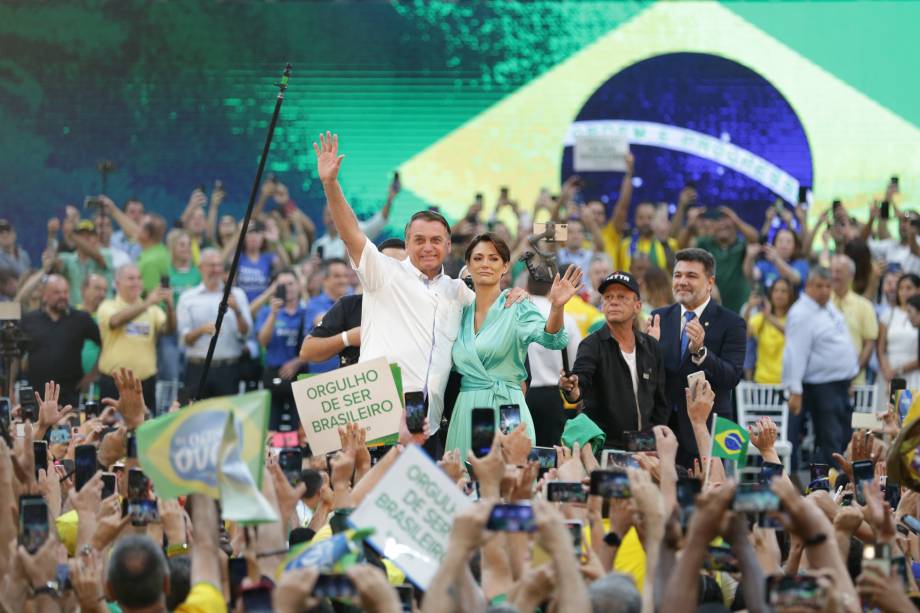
732, 441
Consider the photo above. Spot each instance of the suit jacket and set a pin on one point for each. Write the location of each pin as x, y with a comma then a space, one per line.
725, 344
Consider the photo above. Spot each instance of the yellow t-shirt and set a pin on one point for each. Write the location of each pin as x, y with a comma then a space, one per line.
631, 558
861, 322
133, 345
203, 598
655, 251
770, 343
612, 242
585, 315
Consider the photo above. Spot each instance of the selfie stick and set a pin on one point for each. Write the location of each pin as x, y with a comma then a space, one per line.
228, 285
549, 260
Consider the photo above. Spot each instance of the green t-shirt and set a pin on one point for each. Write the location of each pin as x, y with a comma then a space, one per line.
733, 285
179, 281
76, 271
153, 264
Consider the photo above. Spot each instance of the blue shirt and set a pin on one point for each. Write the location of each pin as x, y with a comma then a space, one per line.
317, 307
253, 277
769, 273
283, 345
818, 346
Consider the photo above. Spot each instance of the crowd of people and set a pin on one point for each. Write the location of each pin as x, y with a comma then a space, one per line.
637, 323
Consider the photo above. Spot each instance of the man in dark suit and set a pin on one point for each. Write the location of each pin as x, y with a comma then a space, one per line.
696, 334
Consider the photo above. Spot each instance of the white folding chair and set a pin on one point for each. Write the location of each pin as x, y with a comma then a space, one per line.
755, 401
866, 399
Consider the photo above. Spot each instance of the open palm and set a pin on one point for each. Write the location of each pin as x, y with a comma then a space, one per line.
328, 160
565, 287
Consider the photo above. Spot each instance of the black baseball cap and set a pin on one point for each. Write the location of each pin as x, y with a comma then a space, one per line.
620, 278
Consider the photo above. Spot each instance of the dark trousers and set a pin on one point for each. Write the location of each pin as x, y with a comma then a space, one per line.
107, 389
548, 413
223, 380
828, 404
284, 416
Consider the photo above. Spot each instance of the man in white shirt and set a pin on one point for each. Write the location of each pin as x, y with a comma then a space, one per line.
196, 314
411, 309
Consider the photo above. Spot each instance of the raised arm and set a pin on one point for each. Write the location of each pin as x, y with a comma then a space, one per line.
621, 208
748, 231
328, 163
130, 227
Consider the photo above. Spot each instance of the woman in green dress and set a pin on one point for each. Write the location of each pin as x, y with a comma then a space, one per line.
491, 345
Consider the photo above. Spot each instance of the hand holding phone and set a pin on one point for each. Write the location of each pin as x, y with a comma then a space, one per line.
483, 431
511, 518
610, 484
415, 411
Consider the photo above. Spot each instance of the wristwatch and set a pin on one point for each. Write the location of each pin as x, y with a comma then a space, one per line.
701, 354
51, 588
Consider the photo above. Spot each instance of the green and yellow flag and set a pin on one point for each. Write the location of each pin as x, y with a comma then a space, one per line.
213, 447
729, 441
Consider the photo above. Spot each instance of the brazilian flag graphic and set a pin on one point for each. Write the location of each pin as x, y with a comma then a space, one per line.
729, 441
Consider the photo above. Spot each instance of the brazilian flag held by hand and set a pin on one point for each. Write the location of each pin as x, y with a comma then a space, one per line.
213, 447
729, 441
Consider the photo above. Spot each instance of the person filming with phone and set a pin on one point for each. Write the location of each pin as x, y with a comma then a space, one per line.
619, 372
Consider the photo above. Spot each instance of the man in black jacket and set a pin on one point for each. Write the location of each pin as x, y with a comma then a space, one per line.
619, 371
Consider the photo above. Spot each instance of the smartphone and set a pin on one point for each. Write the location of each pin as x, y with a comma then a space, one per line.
863, 471
84, 465
566, 491
687, 491
560, 231
164, 281
40, 451
333, 586
885, 210
258, 599
778, 205
640, 441
847, 500
509, 417
503, 193
754, 498
877, 556
511, 518
720, 559
138, 484
483, 422
5, 421
406, 597
131, 445
731, 469
893, 495
836, 205
281, 292
897, 384
415, 411
546, 456
804, 194
91, 409
895, 181
290, 459
33, 522
236, 571
768, 470
695, 378
911, 522
576, 529
108, 485
27, 404
615, 458
396, 184
610, 484
795, 591
377, 452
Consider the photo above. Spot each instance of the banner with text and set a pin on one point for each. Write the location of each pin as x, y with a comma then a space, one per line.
364, 393
412, 509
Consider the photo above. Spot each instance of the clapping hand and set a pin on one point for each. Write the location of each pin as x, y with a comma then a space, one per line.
566, 287
653, 327
328, 160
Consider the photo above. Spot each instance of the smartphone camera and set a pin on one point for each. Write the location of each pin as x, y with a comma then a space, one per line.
415, 411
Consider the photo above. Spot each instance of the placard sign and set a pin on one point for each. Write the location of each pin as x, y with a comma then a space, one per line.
600, 153
363, 393
412, 509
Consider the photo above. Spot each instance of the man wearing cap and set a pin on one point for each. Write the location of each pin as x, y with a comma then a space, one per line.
87, 259
619, 372
12, 257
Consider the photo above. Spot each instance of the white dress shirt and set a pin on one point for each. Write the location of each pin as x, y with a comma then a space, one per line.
545, 364
818, 346
412, 321
197, 306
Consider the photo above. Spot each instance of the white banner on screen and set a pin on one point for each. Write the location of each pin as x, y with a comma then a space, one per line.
720, 151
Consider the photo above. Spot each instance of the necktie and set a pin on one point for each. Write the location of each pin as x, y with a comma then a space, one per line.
684, 339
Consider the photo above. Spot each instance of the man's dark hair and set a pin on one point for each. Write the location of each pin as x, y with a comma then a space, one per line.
137, 569
180, 580
536, 287
312, 480
155, 226
695, 254
392, 243
487, 237
428, 216
329, 263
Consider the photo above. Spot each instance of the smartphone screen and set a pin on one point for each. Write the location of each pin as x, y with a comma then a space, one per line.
40, 450
483, 429
406, 597
290, 459
509, 417
84, 465
863, 473
258, 599
576, 529
687, 491
108, 485
640, 441
281, 291
511, 518
5, 421
754, 498
91, 409
236, 571
334, 586
614, 458
769, 470
610, 484
33, 522
885, 210
415, 411
137, 484
893, 495
784, 591
566, 491
28, 404
546, 456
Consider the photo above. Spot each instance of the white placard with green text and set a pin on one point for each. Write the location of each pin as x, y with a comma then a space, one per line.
363, 393
412, 510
